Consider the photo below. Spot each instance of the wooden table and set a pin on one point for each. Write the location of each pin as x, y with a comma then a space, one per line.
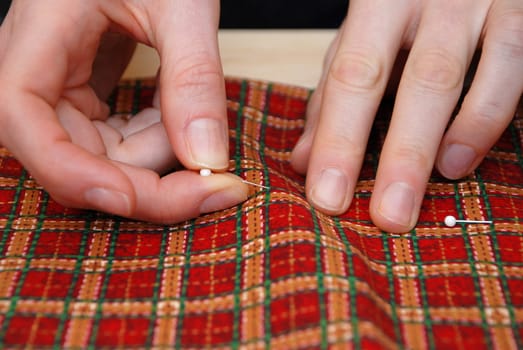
287, 56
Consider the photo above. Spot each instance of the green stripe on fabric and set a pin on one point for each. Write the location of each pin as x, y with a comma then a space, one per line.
27, 266
237, 281
351, 278
266, 226
474, 271
76, 273
320, 277
157, 287
502, 275
423, 290
185, 281
238, 258
6, 233
390, 279
101, 297
11, 217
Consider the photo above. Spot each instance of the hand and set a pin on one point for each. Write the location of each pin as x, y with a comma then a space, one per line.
56, 70
442, 37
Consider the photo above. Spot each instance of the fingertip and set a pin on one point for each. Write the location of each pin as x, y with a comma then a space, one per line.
330, 191
229, 191
391, 227
456, 160
95, 185
109, 200
395, 209
207, 143
387, 225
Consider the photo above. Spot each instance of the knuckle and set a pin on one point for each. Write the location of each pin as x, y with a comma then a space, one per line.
345, 147
358, 71
487, 116
510, 35
436, 71
488, 113
194, 73
412, 155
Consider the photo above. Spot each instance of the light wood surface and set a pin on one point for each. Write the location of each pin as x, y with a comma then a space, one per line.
285, 56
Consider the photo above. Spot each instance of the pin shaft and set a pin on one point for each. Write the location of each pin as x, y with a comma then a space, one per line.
474, 221
254, 184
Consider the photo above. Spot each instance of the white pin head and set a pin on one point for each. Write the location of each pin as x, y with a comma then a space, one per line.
450, 221
205, 172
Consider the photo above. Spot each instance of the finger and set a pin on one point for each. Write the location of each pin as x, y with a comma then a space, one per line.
428, 92
80, 129
140, 141
182, 195
353, 89
301, 152
128, 125
73, 176
192, 84
493, 97
149, 148
86, 101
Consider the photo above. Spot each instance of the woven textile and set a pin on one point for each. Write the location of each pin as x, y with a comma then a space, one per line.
272, 272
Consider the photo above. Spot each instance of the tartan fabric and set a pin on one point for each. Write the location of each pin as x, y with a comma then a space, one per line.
272, 272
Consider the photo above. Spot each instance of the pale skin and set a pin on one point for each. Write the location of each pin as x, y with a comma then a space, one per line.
442, 37
55, 122
60, 115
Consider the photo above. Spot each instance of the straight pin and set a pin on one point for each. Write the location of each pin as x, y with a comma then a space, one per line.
208, 172
451, 221
253, 184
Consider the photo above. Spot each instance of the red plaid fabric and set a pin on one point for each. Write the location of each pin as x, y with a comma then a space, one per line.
272, 272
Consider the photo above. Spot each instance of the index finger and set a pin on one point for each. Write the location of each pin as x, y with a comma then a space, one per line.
356, 81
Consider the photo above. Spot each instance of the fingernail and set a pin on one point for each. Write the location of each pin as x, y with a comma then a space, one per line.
107, 200
223, 199
207, 141
457, 160
397, 203
330, 189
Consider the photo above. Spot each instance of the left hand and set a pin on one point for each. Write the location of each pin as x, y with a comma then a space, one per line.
56, 69
442, 37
